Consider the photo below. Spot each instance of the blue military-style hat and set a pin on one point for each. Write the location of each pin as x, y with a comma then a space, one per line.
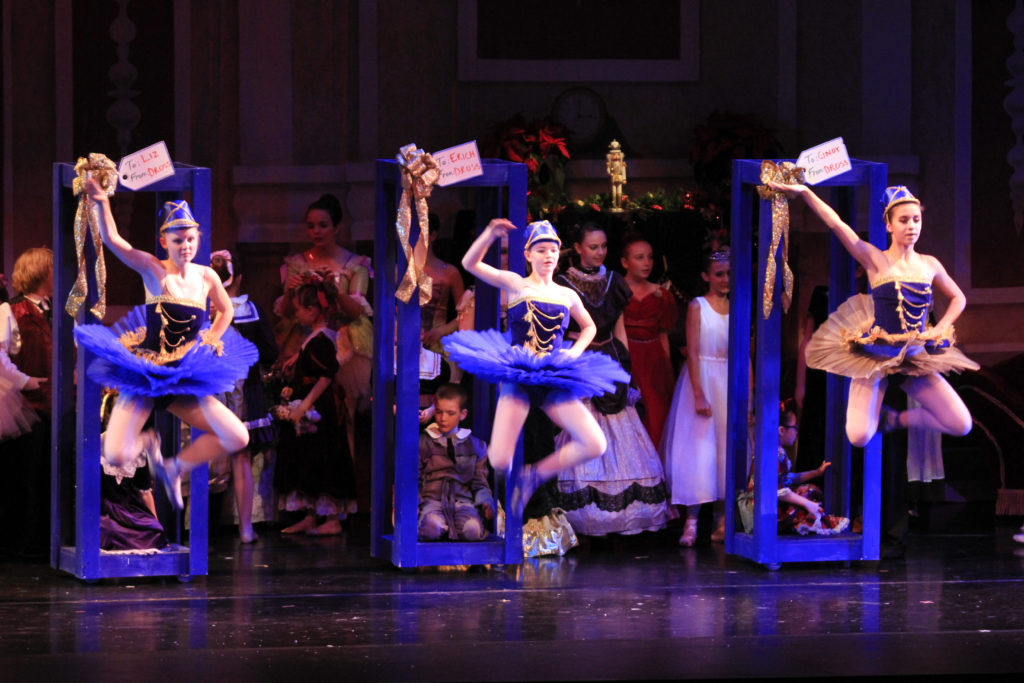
897, 194
176, 215
541, 231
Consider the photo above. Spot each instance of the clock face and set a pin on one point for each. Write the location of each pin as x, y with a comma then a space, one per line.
583, 112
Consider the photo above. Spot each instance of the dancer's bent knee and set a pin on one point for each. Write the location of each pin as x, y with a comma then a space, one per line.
120, 451
859, 436
232, 443
500, 457
961, 425
595, 445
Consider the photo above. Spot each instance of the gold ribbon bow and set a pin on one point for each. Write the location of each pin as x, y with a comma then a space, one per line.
788, 173
103, 171
419, 175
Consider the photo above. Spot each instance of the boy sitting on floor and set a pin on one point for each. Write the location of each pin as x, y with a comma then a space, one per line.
454, 492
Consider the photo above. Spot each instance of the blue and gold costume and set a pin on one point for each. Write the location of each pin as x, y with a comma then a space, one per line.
530, 360
872, 336
157, 349
877, 335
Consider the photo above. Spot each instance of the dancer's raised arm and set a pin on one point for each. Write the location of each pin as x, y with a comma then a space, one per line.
863, 252
473, 261
145, 264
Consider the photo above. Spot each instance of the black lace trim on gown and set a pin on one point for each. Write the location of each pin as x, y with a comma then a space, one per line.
613, 502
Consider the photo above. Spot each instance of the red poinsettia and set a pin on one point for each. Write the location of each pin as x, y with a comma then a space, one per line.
542, 146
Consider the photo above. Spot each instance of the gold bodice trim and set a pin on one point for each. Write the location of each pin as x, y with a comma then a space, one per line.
533, 297
911, 314
168, 352
917, 279
540, 321
170, 299
131, 340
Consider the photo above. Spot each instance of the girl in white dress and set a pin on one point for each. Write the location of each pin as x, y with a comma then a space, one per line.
693, 444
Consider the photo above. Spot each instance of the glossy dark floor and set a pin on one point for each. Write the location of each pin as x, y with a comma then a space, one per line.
641, 608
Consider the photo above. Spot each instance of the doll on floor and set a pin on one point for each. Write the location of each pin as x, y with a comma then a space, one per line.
800, 502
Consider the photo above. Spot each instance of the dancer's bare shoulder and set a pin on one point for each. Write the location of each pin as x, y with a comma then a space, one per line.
551, 292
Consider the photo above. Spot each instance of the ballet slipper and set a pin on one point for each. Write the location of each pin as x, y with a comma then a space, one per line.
890, 420
302, 526
169, 476
527, 483
689, 536
248, 536
1019, 536
150, 439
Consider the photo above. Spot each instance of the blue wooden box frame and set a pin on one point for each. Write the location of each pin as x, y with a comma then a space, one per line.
501, 192
764, 545
78, 432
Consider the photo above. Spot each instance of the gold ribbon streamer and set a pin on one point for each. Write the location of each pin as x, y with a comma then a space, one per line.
419, 175
788, 173
103, 171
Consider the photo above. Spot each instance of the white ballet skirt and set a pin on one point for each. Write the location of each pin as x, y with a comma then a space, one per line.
692, 446
16, 415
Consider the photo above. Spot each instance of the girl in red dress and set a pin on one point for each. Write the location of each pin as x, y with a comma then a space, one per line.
649, 317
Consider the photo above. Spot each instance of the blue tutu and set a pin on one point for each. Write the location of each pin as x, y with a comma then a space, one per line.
489, 355
127, 364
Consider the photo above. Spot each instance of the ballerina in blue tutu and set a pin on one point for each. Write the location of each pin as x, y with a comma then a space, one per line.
530, 362
165, 354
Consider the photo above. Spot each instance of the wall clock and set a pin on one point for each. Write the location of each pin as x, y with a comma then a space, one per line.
583, 112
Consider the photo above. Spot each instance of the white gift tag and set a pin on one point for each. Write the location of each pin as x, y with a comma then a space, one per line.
458, 163
824, 161
145, 167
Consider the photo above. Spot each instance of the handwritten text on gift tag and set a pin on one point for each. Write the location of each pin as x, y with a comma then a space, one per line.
458, 163
824, 161
145, 166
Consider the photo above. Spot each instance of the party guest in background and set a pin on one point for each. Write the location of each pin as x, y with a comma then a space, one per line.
247, 399
455, 495
26, 346
351, 273
649, 316
694, 440
314, 473
623, 490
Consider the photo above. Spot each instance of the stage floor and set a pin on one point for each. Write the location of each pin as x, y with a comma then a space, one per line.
639, 608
